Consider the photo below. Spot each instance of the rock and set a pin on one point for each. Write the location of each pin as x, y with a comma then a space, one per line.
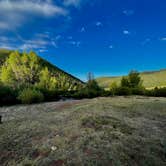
54, 148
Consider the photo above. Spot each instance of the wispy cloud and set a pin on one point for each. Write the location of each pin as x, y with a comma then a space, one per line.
13, 13
126, 32
33, 7
75, 43
163, 39
146, 41
111, 46
128, 12
82, 29
99, 24
74, 3
39, 42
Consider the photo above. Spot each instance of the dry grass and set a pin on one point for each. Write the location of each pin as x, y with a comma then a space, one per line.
150, 80
101, 131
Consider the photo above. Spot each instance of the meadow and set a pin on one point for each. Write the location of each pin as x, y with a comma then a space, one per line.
150, 79
94, 132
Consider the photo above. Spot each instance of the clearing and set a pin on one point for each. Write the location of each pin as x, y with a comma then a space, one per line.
102, 131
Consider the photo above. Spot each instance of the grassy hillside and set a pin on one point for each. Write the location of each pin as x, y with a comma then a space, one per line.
54, 69
150, 79
123, 131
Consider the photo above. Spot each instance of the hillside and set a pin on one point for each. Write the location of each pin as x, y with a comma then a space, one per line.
54, 69
150, 79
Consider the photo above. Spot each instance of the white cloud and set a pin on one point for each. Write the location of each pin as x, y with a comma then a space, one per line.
54, 44
33, 44
43, 50
126, 32
111, 46
146, 41
83, 29
13, 13
99, 24
75, 3
58, 37
128, 12
75, 43
27, 6
42, 35
163, 39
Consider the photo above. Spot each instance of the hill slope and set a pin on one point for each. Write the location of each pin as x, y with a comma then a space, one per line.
54, 69
150, 79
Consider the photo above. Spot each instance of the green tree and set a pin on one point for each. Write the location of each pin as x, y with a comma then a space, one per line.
134, 79
125, 82
113, 88
92, 83
20, 69
46, 81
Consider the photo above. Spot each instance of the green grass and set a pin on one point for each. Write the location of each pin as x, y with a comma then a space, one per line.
150, 79
93, 132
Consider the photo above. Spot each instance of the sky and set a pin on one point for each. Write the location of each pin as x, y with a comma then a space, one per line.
105, 37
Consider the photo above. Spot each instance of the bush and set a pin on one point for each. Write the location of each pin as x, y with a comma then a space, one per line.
29, 96
160, 92
91, 90
124, 91
157, 92
138, 91
50, 95
87, 93
7, 96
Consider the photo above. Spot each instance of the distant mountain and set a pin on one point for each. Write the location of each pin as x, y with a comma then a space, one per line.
59, 73
150, 79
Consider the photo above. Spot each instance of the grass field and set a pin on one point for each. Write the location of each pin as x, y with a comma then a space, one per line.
127, 131
150, 79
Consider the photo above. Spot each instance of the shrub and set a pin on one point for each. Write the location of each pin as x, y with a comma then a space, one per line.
91, 90
7, 96
138, 91
160, 92
50, 95
157, 92
29, 96
113, 88
124, 91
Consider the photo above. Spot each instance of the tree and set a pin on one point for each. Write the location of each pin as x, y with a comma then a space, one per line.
125, 82
113, 88
46, 81
92, 83
20, 69
135, 79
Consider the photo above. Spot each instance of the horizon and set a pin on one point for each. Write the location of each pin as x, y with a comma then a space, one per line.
105, 38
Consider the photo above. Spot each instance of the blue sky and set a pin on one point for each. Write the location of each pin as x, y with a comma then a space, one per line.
106, 37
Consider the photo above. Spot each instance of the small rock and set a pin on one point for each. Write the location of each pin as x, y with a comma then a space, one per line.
54, 148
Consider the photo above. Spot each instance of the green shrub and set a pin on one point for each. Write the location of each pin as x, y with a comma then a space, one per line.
7, 96
29, 96
138, 91
88, 93
157, 92
50, 95
160, 92
91, 90
124, 91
